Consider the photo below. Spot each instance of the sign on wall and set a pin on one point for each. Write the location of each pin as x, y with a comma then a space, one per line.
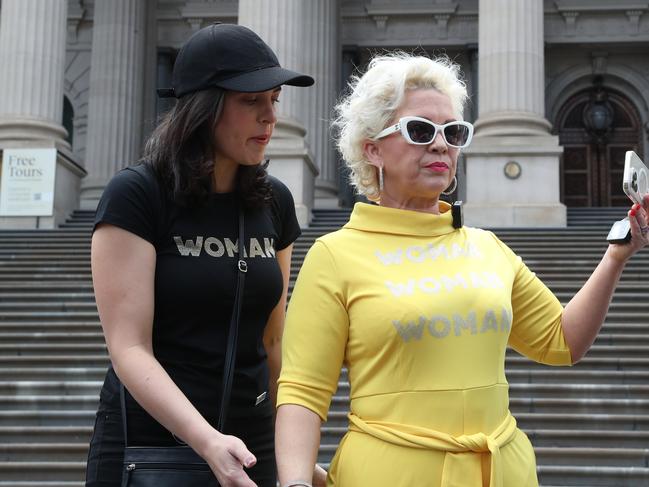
27, 182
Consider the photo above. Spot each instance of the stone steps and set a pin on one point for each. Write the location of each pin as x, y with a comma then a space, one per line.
11, 483
48, 417
55, 276
595, 476
69, 388
46, 287
49, 402
45, 297
577, 375
44, 435
611, 457
74, 361
96, 373
44, 452
42, 470
44, 315
86, 306
49, 337
48, 326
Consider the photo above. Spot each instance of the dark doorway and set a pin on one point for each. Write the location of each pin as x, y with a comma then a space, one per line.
68, 119
593, 160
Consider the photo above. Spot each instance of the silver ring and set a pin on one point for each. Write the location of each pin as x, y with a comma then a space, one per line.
644, 230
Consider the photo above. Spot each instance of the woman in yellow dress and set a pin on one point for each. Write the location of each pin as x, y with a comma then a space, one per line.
419, 311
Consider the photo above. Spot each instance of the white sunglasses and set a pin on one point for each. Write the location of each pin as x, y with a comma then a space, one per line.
421, 131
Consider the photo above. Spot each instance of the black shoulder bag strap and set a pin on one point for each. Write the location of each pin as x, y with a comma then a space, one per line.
233, 333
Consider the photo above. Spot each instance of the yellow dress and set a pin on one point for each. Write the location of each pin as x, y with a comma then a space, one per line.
421, 314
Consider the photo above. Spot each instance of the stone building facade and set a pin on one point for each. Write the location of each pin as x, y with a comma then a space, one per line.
559, 91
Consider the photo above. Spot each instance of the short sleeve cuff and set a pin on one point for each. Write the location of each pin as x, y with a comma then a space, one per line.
316, 400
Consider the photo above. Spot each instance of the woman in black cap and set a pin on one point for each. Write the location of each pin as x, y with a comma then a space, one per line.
164, 264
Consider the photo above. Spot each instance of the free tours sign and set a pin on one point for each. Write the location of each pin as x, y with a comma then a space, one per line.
27, 182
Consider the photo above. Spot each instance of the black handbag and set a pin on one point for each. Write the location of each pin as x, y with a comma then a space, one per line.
180, 466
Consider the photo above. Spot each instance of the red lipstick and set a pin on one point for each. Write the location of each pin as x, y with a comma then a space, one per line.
437, 166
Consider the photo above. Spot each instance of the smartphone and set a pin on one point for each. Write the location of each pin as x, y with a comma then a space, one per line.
635, 184
636, 177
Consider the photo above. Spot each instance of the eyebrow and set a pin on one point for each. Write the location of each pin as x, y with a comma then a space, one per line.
448, 120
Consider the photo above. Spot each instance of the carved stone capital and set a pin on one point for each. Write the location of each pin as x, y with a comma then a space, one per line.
634, 20
195, 23
571, 21
76, 12
381, 21
442, 25
387, 7
199, 13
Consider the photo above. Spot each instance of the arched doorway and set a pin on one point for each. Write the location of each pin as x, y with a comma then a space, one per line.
592, 165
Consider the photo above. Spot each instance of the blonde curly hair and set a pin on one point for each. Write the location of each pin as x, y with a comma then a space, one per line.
375, 97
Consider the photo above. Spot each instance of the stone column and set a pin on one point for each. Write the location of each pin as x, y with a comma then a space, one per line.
304, 37
346, 194
150, 75
323, 58
115, 100
32, 53
511, 125
32, 50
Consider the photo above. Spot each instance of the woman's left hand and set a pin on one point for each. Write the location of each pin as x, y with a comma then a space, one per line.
639, 220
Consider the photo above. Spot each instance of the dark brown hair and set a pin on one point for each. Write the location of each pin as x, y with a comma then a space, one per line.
181, 151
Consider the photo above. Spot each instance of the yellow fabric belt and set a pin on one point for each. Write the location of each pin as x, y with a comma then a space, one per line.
461, 467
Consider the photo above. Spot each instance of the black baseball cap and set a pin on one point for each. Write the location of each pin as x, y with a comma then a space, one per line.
231, 57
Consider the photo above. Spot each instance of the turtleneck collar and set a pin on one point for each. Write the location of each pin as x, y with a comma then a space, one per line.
379, 219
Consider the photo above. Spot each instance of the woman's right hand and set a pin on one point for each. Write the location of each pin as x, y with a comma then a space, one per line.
227, 456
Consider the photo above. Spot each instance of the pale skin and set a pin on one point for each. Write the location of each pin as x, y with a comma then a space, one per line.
123, 269
411, 183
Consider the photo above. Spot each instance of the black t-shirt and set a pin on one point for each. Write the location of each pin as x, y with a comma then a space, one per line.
195, 281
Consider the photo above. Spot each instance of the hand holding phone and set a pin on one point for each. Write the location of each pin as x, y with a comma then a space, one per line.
635, 183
